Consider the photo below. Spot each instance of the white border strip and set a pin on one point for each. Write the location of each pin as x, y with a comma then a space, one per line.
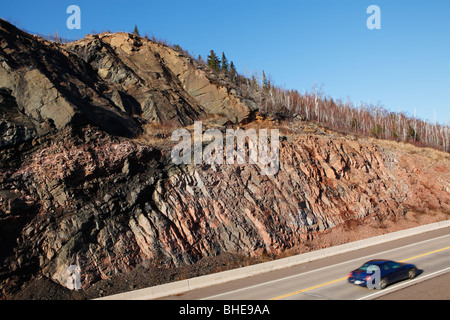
244, 272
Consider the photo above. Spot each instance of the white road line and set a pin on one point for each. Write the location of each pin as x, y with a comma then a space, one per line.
320, 269
404, 284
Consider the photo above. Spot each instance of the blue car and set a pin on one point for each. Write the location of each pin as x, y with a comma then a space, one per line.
378, 274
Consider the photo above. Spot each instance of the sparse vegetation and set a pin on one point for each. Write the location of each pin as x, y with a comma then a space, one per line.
213, 61
136, 31
225, 67
361, 119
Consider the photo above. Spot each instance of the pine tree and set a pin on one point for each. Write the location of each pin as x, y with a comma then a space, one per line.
213, 61
254, 82
136, 31
232, 71
177, 47
225, 66
265, 82
412, 132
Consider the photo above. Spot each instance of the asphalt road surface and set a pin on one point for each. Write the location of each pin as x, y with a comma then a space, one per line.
435, 288
327, 278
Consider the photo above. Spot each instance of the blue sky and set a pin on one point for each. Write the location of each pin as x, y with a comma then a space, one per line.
404, 66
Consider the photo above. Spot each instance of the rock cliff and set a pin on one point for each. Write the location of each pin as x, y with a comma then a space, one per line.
81, 185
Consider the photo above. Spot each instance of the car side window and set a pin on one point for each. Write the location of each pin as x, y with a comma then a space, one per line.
390, 266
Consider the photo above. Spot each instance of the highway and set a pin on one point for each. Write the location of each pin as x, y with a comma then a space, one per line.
326, 279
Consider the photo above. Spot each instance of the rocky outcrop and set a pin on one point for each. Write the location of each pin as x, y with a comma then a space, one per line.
75, 189
139, 83
15, 127
66, 204
108, 204
210, 90
52, 85
166, 84
322, 183
117, 82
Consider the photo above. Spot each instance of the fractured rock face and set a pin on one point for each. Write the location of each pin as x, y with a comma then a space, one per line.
75, 189
72, 199
15, 127
114, 81
108, 204
167, 85
50, 84
205, 87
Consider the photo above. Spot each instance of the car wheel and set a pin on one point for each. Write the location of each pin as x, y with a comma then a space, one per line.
383, 283
412, 273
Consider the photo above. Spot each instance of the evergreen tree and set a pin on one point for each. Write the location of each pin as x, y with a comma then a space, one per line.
265, 82
254, 82
213, 61
225, 66
412, 132
136, 31
232, 71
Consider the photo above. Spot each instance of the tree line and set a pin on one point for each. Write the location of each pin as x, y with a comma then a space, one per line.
364, 119
221, 65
